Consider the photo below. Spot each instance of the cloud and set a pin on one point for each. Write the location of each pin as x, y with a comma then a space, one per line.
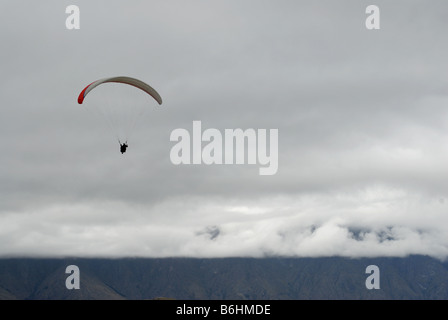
380, 221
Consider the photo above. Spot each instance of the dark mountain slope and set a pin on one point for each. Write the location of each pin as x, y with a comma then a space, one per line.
415, 277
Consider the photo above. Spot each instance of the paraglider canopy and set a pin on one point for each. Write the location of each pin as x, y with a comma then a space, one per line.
126, 80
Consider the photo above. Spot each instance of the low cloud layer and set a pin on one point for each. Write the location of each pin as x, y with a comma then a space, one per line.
375, 222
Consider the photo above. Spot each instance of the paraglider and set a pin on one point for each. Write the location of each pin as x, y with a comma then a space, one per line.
123, 147
123, 80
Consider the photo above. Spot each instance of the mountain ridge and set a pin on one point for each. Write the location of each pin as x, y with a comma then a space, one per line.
279, 278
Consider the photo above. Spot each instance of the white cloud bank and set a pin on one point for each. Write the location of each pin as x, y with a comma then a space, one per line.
375, 222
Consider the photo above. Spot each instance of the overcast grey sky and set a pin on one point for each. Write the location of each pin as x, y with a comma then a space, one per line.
361, 115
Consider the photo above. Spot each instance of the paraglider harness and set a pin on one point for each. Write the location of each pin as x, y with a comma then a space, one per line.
123, 146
